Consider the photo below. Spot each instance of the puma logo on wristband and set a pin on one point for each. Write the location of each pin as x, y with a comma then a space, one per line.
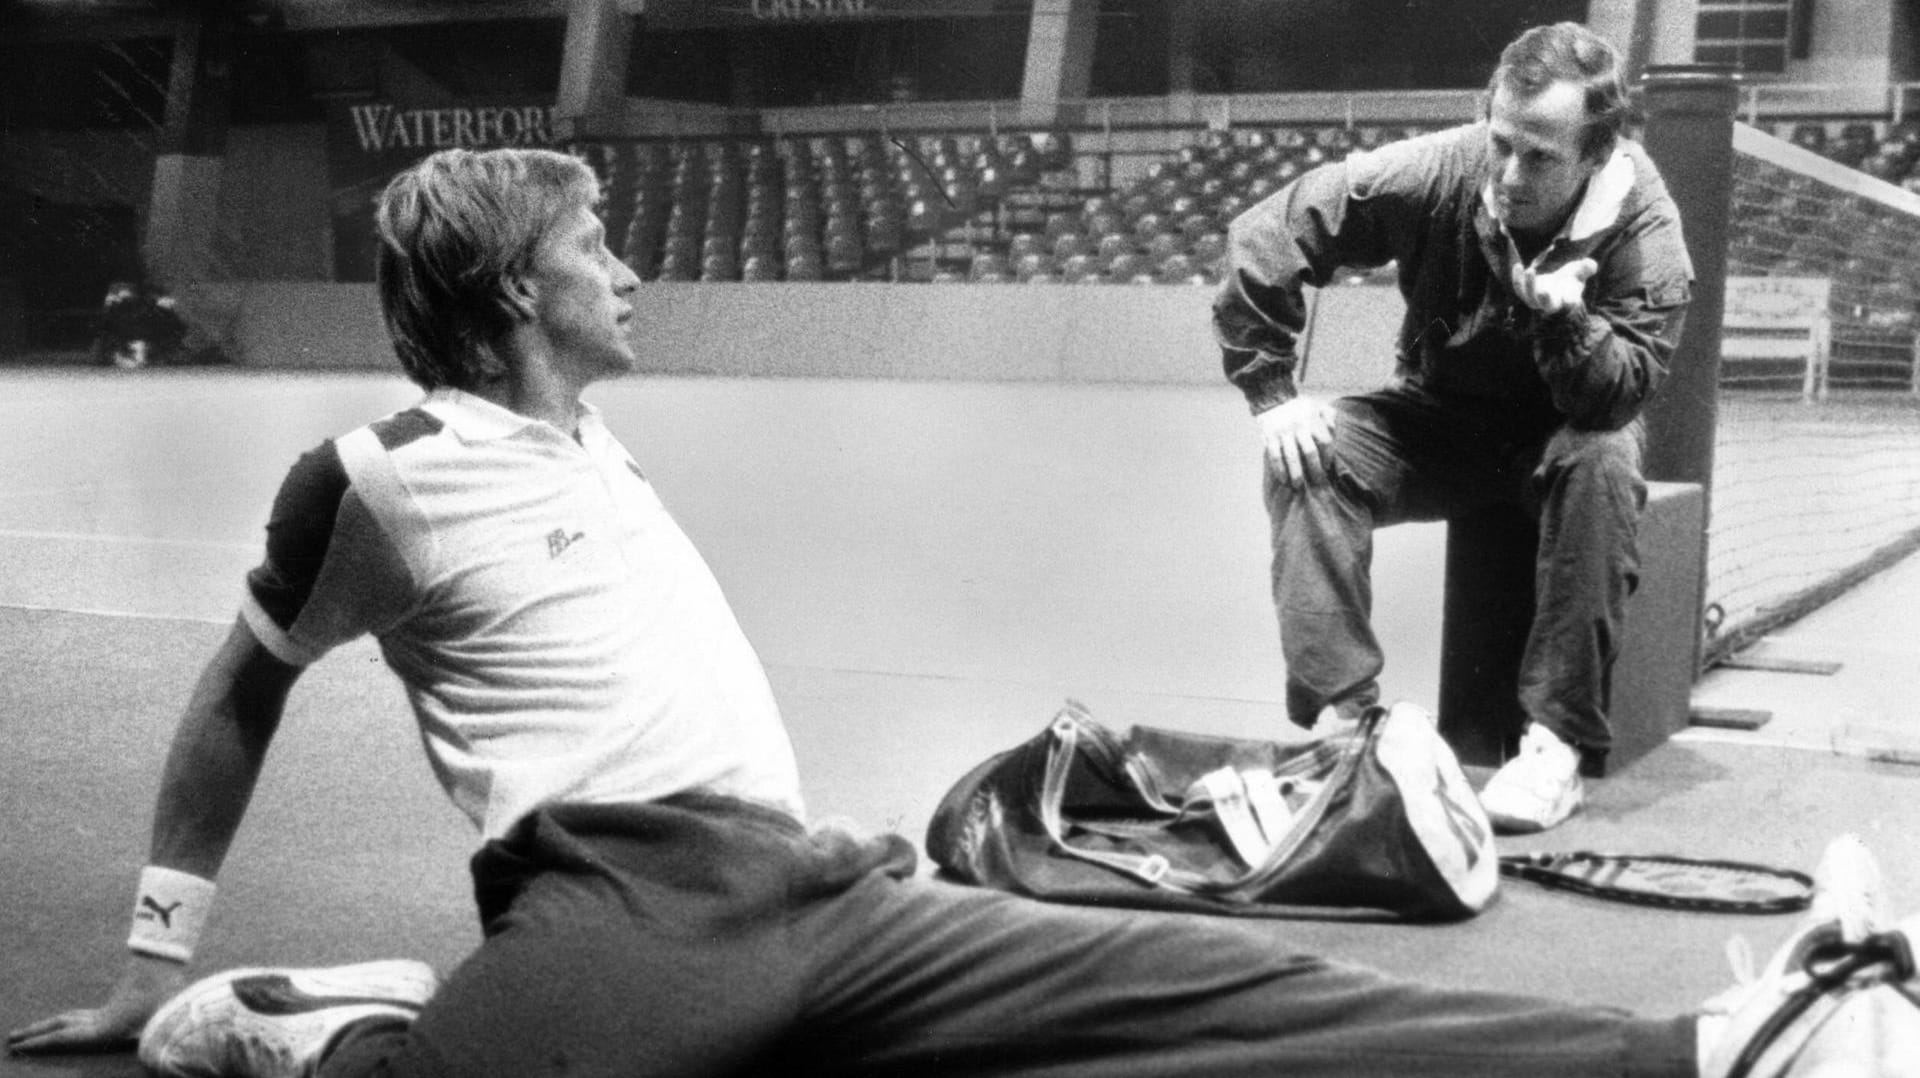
165, 913
169, 911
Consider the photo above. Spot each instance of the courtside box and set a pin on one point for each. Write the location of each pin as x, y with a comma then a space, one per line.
1489, 606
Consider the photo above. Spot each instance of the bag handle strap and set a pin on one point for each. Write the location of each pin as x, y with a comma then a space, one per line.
1250, 808
1152, 869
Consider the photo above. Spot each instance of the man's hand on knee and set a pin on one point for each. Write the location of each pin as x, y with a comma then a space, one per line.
1298, 436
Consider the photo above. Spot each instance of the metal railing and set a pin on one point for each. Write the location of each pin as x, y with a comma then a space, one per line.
1786, 100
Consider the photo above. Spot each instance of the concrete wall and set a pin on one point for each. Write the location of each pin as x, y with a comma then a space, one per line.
1060, 333
276, 221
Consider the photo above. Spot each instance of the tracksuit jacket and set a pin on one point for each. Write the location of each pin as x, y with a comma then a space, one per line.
1422, 203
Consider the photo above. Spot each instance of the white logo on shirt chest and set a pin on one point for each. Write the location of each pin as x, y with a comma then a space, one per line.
559, 539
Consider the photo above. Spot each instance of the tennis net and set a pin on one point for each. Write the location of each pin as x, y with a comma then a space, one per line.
1816, 479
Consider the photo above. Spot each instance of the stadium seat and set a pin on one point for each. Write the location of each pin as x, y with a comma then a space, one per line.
841, 225
991, 183
1855, 143
928, 216
886, 236
1024, 243
719, 267
1112, 246
1809, 136
1023, 167
1195, 225
962, 197
804, 266
1130, 268
1079, 268
845, 256
1209, 250
1033, 264
1187, 205
1055, 149
1103, 223
989, 268
675, 266
759, 268
1138, 202
1179, 269
802, 247
1147, 224
1164, 245
1058, 224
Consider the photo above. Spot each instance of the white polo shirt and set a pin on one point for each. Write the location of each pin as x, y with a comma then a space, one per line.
558, 635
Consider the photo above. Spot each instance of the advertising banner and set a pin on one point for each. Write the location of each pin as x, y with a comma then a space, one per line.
369, 141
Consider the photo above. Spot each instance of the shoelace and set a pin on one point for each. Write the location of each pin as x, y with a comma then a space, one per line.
1882, 957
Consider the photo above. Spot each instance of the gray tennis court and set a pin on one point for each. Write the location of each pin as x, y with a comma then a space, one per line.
928, 570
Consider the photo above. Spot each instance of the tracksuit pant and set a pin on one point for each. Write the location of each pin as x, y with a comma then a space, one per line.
708, 936
1407, 454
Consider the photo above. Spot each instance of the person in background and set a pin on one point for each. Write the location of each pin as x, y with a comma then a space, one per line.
139, 327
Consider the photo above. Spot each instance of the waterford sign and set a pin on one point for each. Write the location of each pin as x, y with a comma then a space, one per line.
369, 141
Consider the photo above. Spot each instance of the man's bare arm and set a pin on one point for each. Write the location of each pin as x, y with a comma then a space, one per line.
210, 773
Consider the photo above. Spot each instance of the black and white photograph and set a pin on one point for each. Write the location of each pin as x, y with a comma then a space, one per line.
960, 538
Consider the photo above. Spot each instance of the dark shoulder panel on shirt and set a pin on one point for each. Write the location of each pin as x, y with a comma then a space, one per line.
403, 427
298, 533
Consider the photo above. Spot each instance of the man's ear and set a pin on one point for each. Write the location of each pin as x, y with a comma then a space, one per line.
518, 297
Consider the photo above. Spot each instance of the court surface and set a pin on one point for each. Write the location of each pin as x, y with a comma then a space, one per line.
928, 569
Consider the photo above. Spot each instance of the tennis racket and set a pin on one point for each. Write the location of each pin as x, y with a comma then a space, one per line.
1678, 883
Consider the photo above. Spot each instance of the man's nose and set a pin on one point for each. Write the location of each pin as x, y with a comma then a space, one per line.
1510, 173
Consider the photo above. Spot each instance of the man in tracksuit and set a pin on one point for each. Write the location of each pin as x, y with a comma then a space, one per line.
1545, 279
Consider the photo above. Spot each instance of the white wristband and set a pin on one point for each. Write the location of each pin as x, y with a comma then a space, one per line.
169, 913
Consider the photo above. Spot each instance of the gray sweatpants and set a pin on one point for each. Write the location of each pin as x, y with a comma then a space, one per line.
705, 936
1406, 454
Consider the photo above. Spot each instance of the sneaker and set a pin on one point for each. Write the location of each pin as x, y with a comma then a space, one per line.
1537, 789
1838, 997
276, 1023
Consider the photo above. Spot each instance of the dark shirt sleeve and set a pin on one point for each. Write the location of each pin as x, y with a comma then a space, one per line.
328, 574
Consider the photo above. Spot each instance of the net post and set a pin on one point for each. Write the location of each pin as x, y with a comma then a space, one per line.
1689, 135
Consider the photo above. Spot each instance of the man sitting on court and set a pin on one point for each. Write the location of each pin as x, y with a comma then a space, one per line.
652, 901
1545, 279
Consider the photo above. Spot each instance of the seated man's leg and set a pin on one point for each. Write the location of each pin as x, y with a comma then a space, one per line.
819, 957
1399, 454
1588, 491
924, 978
649, 940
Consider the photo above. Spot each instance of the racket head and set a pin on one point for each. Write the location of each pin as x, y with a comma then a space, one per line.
1667, 881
